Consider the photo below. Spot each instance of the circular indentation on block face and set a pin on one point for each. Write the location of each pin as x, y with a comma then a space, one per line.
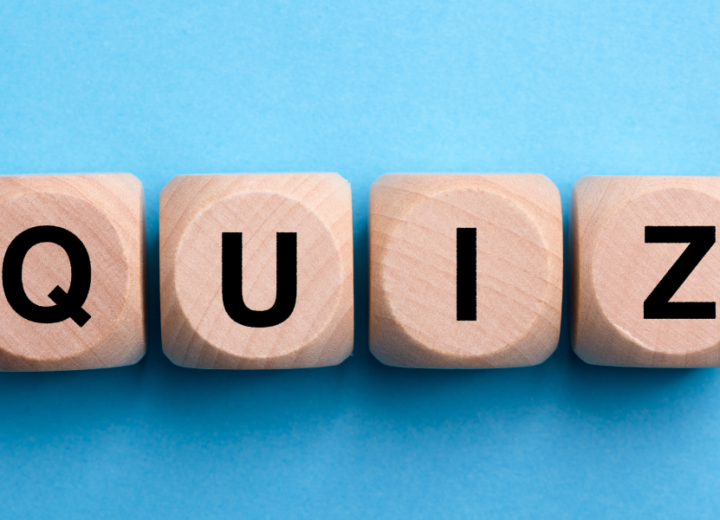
420, 273
259, 216
47, 266
625, 270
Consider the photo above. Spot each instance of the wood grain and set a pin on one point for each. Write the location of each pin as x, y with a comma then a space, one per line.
106, 212
413, 283
614, 270
195, 210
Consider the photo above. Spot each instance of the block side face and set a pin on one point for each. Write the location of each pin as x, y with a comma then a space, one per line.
104, 212
414, 279
198, 331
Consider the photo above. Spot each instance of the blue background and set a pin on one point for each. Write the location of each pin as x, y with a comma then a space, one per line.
165, 87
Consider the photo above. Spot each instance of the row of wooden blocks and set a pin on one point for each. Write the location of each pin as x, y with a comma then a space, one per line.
256, 271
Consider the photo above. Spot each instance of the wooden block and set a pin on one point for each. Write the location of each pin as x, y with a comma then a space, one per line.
256, 271
73, 253
465, 270
645, 271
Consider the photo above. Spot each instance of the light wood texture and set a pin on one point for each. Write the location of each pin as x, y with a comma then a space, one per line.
413, 278
195, 210
106, 212
614, 270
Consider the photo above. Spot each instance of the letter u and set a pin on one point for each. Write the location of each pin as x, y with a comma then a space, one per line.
286, 282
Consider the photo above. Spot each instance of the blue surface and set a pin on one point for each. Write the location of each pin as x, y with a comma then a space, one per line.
363, 87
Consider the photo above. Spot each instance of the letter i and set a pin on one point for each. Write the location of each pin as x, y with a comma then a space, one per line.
466, 274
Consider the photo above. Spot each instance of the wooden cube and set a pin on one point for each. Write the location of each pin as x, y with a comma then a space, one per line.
645, 271
465, 270
73, 257
256, 271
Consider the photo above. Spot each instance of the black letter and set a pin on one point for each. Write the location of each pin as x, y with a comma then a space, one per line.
67, 304
466, 280
286, 282
658, 305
